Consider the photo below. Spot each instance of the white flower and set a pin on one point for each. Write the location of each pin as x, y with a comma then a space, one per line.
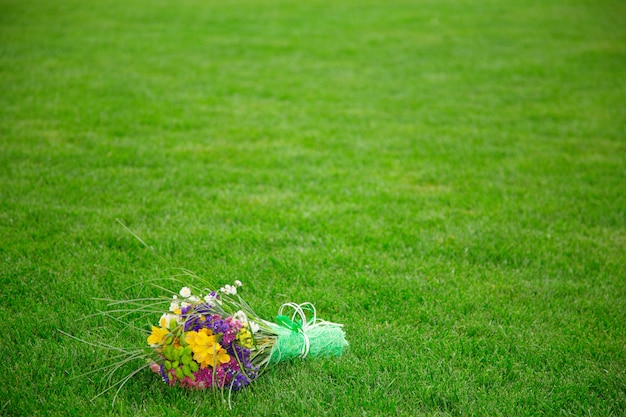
241, 316
184, 304
209, 300
185, 292
253, 327
238, 283
174, 306
229, 289
194, 299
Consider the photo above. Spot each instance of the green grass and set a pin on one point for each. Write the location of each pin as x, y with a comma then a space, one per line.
447, 178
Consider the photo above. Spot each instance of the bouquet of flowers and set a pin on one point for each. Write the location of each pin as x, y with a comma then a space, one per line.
212, 339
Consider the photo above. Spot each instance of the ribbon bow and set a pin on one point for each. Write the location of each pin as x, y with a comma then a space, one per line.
327, 338
298, 322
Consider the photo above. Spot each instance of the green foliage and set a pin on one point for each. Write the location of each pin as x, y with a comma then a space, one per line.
447, 178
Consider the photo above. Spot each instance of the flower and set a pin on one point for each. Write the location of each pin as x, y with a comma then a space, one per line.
155, 367
157, 336
244, 337
207, 352
229, 289
185, 292
238, 283
241, 316
166, 319
209, 299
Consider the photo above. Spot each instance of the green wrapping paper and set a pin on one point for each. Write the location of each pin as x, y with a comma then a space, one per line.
323, 341
299, 338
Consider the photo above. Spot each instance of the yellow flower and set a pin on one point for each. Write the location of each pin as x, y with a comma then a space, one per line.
244, 337
206, 351
157, 336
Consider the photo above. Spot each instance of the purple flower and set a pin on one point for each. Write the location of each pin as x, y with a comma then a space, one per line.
198, 318
164, 375
239, 381
228, 338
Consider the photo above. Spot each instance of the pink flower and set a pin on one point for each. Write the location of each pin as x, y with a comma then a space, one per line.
155, 367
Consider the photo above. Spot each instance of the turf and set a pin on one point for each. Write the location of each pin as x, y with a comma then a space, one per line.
446, 178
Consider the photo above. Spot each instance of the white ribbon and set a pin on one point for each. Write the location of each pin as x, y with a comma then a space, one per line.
300, 315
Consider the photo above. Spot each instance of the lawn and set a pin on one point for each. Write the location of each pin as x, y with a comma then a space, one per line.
447, 178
